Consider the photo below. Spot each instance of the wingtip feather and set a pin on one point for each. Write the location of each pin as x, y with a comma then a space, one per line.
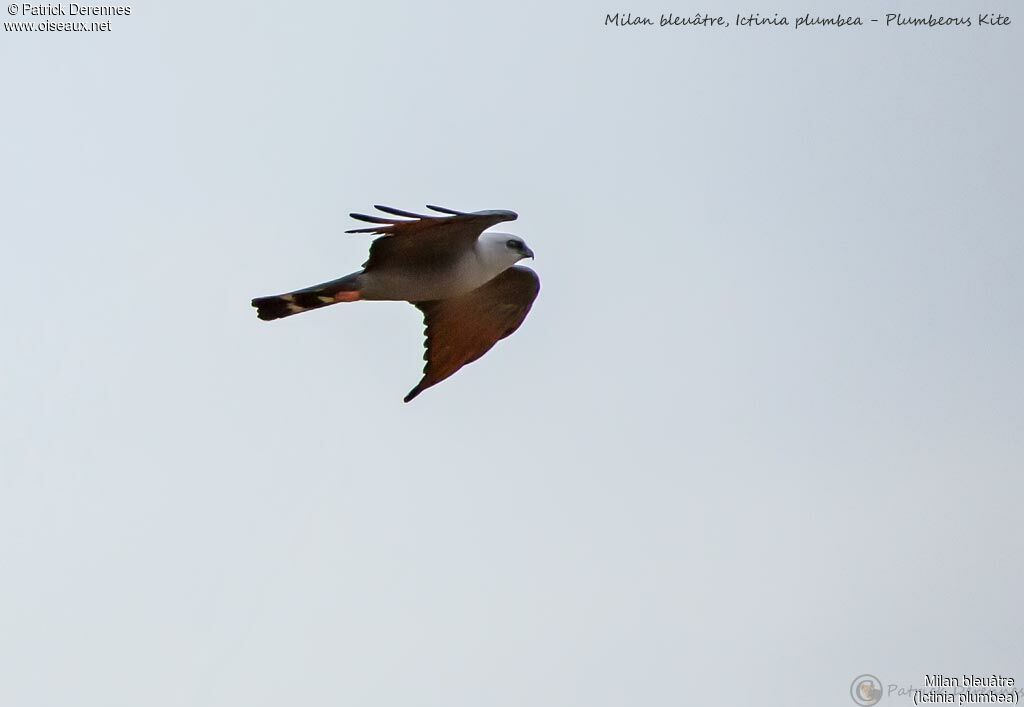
443, 210
372, 219
400, 212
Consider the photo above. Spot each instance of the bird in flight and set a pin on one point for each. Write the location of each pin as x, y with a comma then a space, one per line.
465, 281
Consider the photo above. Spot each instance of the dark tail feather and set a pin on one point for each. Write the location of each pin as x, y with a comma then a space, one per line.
278, 306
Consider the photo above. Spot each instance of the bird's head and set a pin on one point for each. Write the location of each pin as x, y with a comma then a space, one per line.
504, 248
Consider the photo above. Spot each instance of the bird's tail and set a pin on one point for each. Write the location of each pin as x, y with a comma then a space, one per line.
345, 289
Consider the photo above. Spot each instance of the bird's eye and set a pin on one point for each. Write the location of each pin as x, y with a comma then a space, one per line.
514, 244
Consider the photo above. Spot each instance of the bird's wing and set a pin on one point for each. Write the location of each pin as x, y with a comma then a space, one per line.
420, 240
462, 329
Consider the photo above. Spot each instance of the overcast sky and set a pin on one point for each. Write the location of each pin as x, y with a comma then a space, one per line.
760, 434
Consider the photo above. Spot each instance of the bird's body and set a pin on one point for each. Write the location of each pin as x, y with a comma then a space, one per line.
465, 281
450, 276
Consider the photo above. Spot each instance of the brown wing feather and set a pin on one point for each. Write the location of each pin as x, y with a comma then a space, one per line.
424, 240
462, 329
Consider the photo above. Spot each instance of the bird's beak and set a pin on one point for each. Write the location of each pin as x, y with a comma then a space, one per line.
527, 253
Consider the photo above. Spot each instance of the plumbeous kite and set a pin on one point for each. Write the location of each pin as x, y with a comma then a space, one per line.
466, 283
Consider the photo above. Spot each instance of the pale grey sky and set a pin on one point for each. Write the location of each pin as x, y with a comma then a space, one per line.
760, 434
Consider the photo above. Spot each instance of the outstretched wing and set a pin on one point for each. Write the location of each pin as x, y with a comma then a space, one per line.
420, 240
462, 329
